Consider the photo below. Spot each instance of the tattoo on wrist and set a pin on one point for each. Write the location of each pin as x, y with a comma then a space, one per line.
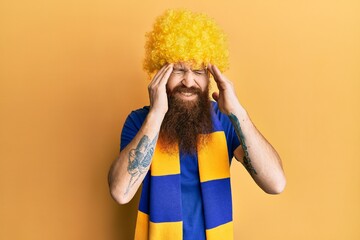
139, 159
239, 133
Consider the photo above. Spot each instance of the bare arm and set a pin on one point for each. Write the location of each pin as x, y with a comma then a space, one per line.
256, 154
128, 171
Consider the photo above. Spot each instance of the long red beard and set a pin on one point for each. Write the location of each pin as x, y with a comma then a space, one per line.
185, 120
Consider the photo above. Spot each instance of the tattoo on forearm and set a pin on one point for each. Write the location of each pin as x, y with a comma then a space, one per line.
246, 159
139, 159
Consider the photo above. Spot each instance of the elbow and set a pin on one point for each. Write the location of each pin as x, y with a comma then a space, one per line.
118, 196
116, 192
277, 187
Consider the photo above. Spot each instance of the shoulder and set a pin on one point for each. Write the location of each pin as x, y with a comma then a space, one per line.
138, 115
221, 116
132, 125
136, 118
226, 126
141, 111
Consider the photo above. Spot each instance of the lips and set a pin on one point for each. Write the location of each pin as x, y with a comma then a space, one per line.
187, 94
185, 90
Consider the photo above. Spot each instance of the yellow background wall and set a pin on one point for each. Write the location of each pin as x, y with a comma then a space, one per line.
71, 71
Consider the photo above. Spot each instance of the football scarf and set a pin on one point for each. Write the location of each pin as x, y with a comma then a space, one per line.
160, 214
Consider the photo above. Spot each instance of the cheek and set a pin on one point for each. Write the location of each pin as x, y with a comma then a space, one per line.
203, 84
172, 83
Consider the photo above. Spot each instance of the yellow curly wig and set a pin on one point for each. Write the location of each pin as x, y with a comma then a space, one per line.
185, 36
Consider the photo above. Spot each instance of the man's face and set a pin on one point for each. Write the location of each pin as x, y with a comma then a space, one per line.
186, 83
189, 108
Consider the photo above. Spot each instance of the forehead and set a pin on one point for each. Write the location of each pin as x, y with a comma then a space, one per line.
187, 65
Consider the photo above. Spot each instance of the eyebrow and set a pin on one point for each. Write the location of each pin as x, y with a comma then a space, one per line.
179, 66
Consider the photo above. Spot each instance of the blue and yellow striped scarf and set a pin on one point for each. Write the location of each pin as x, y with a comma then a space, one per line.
160, 215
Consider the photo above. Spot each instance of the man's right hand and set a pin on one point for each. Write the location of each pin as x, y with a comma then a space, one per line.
157, 90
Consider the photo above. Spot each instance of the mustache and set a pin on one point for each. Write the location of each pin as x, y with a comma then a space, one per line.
183, 89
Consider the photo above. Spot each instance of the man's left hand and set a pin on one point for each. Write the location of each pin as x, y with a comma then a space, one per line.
226, 97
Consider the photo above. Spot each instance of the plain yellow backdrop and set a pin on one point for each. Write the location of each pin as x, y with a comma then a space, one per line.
71, 71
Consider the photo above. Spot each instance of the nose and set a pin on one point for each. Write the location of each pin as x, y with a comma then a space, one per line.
188, 79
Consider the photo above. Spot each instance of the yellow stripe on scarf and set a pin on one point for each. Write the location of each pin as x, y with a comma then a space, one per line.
213, 157
164, 163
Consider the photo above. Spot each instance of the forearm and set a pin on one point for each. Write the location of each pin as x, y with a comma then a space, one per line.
259, 158
129, 169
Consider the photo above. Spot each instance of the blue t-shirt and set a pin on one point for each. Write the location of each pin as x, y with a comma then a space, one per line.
192, 206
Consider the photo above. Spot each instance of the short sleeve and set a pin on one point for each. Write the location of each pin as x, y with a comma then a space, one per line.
132, 125
231, 137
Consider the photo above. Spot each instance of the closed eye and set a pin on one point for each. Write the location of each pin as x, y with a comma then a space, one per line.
199, 72
179, 71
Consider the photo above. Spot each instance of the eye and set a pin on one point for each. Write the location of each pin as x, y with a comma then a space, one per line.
178, 71
199, 72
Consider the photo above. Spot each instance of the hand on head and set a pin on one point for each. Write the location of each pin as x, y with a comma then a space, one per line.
226, 97
157, 90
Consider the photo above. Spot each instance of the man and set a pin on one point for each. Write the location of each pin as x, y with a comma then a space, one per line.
181, 146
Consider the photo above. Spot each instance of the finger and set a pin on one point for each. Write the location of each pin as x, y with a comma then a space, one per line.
166, 73
164, 79
217, 74
158, 74
162, 69
215, 96
209, 67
